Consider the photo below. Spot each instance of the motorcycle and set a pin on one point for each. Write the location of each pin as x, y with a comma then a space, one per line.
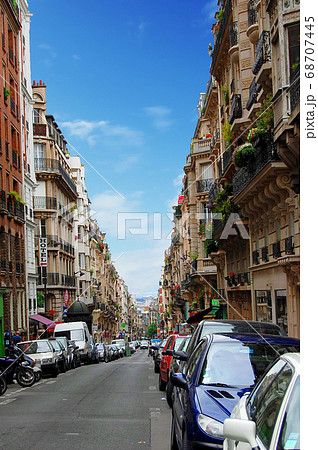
16, 363
3, 385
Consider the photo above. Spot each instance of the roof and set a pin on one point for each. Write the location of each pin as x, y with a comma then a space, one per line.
255, 338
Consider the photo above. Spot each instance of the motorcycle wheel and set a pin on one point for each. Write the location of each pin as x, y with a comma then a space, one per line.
3, 386
25, 377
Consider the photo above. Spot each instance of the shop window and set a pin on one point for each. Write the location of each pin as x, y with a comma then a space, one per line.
281, 309
264, 311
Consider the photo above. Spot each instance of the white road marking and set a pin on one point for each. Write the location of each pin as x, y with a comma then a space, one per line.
9, 400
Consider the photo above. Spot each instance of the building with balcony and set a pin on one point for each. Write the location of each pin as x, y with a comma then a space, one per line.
54, 203
13, 302
29, 180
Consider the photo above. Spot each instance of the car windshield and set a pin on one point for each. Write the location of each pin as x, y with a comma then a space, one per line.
55, 345
177, 342
35, 347
75, 335
242, 327
249, 360
62, 341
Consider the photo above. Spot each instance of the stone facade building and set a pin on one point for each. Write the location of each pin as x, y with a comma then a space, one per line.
13, 304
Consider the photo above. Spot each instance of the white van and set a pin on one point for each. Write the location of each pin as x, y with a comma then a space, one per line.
78, 332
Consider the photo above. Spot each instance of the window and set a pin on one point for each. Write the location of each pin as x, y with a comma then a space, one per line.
293, 45
290, 433
36, 115
265, 403
194, 359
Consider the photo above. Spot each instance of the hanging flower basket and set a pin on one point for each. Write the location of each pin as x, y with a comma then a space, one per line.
244, 155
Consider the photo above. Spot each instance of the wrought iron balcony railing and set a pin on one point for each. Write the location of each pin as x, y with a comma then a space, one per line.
276, 250
204, 185
214, 189
178, 212
45, 202
53, 165
3, 199
226, 15
255, 89
212, 85
289, 245
255, 257
252, 12
19, 210
265, 152
263, 52
236, 108
294, 90
227, 159
233, 30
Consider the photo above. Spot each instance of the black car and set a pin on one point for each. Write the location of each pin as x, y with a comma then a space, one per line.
68, 349
174, 368
61, 354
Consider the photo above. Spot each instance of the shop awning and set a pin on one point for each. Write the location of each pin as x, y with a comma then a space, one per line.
196, 318
44, 320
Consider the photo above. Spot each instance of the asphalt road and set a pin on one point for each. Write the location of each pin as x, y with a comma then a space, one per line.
101, 406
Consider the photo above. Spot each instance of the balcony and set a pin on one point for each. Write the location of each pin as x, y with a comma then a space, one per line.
204, 185
222, 29
54, 166
202, 145
216, 138
276, 250
263, 52
254, 91
252, 15
214, 190
211, 86
178, 212
264, 153
39, 129
19, 210
234, 48
3, 199
236, 108
294, 90
44, 202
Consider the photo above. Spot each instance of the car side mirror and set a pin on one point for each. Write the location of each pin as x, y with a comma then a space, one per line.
169, 352
164, 352
178, 380
180, 355
241, 430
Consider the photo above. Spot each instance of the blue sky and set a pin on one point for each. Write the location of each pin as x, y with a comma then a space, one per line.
123, 81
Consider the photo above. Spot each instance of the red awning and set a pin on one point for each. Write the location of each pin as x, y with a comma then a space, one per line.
49, 323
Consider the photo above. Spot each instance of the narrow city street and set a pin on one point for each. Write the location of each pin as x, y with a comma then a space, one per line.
104, 406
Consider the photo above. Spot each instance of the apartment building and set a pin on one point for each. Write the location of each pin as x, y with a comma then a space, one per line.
54, 203
13, 306
29, 180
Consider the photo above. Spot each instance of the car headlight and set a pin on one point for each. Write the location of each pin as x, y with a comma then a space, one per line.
47, 360
210, 426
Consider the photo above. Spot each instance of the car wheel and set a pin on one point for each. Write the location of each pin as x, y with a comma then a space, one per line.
63, 367
162, 384
173, 438
169, 390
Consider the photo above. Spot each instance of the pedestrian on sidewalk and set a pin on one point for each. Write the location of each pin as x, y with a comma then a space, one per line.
16, 338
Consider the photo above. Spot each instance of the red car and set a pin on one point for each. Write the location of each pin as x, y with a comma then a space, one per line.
172, 344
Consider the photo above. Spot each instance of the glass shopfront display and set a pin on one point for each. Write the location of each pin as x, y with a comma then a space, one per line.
281, 309
264, 310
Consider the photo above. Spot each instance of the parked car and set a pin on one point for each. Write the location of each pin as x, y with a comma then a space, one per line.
95, 354
43, 353
116, 351
230, 326
157, 356
68, 349
269, 417
174, 368
101, 351
121, 344
172, 343
144, 345
78, 332
61, 353
132, 347
109, 352
76, 354
209, 388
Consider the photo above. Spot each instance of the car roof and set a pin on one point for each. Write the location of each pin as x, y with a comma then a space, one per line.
255, 338
293, 359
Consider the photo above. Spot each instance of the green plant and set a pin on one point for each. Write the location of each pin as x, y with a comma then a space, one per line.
6, 93
265, 119
227, 134
202, 110
194, 255
40, 299
16, 196
210, 245
91, 271
219, 15
226, 94
243, 155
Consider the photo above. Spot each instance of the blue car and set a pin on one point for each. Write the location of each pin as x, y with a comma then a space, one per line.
221, 369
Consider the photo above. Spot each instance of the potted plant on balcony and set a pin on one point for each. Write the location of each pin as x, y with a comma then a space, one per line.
211, 246
6, 93
264, 123
228, 136
226, 94
243, 155
13, 195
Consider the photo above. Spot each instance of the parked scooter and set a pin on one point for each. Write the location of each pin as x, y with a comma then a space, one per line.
16, 363
3, 385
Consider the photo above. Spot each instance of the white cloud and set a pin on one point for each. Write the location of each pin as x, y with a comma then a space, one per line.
160, 116
178, 181
103, 131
